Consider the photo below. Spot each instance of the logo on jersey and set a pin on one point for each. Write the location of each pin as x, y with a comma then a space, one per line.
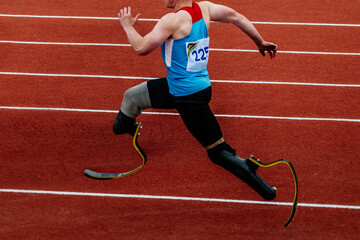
191, 47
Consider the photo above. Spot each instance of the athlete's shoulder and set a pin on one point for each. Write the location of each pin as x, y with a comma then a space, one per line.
174, 17
168, 17
170, 21
205, 3
205, 9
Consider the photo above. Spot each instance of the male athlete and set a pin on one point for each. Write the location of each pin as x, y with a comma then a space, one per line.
183, 38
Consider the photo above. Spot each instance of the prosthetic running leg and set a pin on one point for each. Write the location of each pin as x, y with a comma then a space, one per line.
135, 100
224, 156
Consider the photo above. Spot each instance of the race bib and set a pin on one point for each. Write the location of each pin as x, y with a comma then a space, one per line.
198, 54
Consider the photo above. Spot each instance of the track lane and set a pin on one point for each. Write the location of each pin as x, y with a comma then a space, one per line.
162, 219
51, 149
116, 60
294, 38
263, 10
242, 99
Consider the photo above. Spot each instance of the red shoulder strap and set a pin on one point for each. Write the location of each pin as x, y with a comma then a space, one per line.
194, 11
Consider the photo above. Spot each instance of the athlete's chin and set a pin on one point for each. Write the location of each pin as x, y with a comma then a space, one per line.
169, 4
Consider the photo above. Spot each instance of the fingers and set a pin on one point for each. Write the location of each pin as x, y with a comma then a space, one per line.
273, 50
270, 54
270, 48
121, 14
137, 17
124, 12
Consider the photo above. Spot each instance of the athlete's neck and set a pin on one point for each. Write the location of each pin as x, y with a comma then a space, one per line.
180, 4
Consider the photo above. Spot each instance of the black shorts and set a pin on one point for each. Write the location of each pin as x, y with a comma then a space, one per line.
194, 110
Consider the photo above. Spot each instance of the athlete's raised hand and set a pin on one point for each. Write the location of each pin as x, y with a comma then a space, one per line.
125, 17
269, 47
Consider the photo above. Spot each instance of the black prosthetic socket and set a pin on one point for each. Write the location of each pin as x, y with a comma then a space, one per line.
124, 124
224, 156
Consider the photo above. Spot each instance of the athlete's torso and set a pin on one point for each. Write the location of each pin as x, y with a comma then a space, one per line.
186, 58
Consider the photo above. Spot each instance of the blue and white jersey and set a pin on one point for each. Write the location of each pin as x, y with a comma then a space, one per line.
186, 58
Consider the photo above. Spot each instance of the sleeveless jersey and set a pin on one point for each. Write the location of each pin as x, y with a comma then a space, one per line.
186, 58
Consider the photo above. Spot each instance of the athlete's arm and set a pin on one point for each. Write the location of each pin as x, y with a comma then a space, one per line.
145, 45
220, 13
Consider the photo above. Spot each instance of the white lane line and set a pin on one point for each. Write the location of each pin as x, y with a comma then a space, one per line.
288, 52
212, 49
66, 43
72, 75
149, 78
288, 83
63, 17
174, 114
309, 24
219, 200
155, 20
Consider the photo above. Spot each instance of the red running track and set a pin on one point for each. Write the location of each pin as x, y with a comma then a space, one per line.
110, 61
48, 150
299, 38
